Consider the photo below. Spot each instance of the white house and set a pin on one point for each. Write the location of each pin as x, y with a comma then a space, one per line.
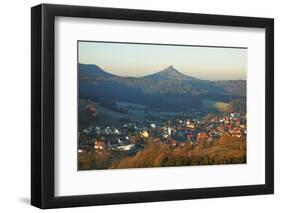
153, 126
127, 147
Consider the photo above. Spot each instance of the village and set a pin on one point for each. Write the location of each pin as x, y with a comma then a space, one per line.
131, 137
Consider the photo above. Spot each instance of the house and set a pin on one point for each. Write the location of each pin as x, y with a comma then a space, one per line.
116, 131
156, 140
190, 125
153, 126
189, 137
165, 135
226, 120
216, 134
100, 145
81, 151
202, 136
182, 144
127, 147
234, 130
237, 135
91, 109
210, 138
172, 142
167, 131
144, 134
120, 141
88, 130
234, 115
98, 130
242, 126
221, 128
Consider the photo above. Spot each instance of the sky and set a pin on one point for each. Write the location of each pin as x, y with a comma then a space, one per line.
135, 60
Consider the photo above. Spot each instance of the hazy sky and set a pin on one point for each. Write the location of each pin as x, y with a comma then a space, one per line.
128, 59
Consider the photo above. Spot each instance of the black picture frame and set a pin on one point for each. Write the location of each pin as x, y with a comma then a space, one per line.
43, 102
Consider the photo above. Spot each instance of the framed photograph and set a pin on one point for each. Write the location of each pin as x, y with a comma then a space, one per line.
139, 106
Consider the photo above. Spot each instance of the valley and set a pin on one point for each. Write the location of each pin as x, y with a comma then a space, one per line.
123, 119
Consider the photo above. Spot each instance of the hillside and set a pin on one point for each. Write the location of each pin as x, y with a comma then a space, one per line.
169, 73
226, 150
92, 71
167, 90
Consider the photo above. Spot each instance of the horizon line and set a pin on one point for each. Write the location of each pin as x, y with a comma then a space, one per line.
196, 78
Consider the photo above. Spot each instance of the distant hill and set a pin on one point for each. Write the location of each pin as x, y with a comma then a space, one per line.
92, 70
168, 89
169, 73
